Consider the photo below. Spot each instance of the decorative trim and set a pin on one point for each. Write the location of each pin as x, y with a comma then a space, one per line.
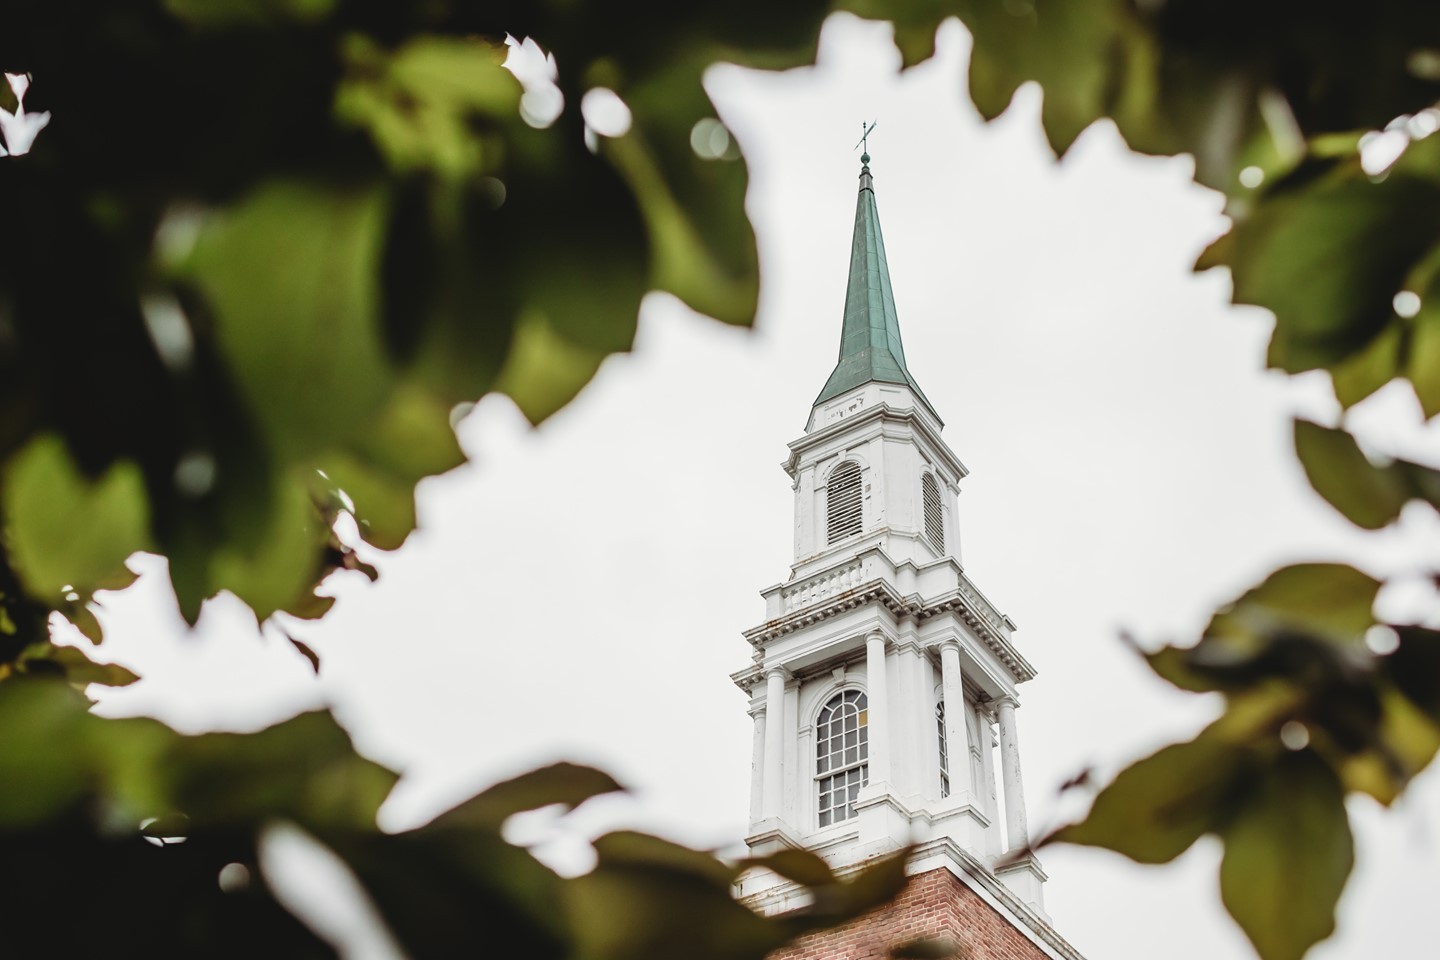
964, 603
882, 413
748, 679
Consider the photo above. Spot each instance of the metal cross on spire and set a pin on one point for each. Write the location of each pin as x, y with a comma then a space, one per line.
864, 140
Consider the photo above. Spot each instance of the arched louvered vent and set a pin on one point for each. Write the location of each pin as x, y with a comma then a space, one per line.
842, 503
934, 516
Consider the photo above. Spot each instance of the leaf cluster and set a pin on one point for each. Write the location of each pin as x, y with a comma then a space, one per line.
262, 258
1283, 108
268, 249
1312, 713
152, 819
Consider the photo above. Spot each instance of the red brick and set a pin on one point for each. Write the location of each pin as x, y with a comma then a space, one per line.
934, 904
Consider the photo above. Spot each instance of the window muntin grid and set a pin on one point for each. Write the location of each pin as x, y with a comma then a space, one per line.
934, 516
842, 754
843, 506
944, 750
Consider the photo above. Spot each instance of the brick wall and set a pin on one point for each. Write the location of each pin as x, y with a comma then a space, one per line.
933, 904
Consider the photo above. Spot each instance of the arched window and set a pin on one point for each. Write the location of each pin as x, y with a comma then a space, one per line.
842, 502
934, 516
944, 750
842, 754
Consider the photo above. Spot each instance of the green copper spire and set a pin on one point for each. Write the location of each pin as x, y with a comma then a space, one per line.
870, 348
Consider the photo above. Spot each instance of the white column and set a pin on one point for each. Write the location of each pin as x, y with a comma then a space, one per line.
757, 763
957, 731
878, 720
1016, 830
914, 727
774, 742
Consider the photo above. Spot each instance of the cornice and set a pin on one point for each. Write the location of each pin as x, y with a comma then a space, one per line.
974, 617
879, 591
878, 414
875, 591
749, 678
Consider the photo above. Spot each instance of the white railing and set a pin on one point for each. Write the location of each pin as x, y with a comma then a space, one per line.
823, 586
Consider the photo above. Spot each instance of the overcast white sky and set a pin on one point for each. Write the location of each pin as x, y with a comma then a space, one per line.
579, 591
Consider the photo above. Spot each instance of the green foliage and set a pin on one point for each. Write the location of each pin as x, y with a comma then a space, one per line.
1311, 714
1369, 495
1275, 117
1327, 248
156, 817
70, 534
340, 226
226, 321
1288, 852
1157, 808
295, 273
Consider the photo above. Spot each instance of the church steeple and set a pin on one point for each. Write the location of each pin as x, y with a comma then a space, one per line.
870, 346
883, 683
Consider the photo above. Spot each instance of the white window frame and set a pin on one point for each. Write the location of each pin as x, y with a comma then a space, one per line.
841, 768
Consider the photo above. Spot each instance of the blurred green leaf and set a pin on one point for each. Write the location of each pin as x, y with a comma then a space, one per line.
1414, 668
1327, 249
81, 670
83, 618
66, 531
1288, 852
1065, 46
563, 783
650, 897
1421, 358
1406, 347
1156, 808
304, 345
281, 570
212, 14
879, 883
417, 103
801, 866
1369, 495
938, 948
1361, 374
411, 439
633, 909
304, 768
1331, 599
702, 248
1405, 741
545, 370
447, 892
40, 772
627, 848
915, 23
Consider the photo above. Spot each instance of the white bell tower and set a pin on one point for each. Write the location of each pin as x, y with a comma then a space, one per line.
883, 686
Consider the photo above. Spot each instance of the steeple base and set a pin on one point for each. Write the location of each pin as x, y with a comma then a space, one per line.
950, 896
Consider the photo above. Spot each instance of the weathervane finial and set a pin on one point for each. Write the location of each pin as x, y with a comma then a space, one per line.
864, 141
